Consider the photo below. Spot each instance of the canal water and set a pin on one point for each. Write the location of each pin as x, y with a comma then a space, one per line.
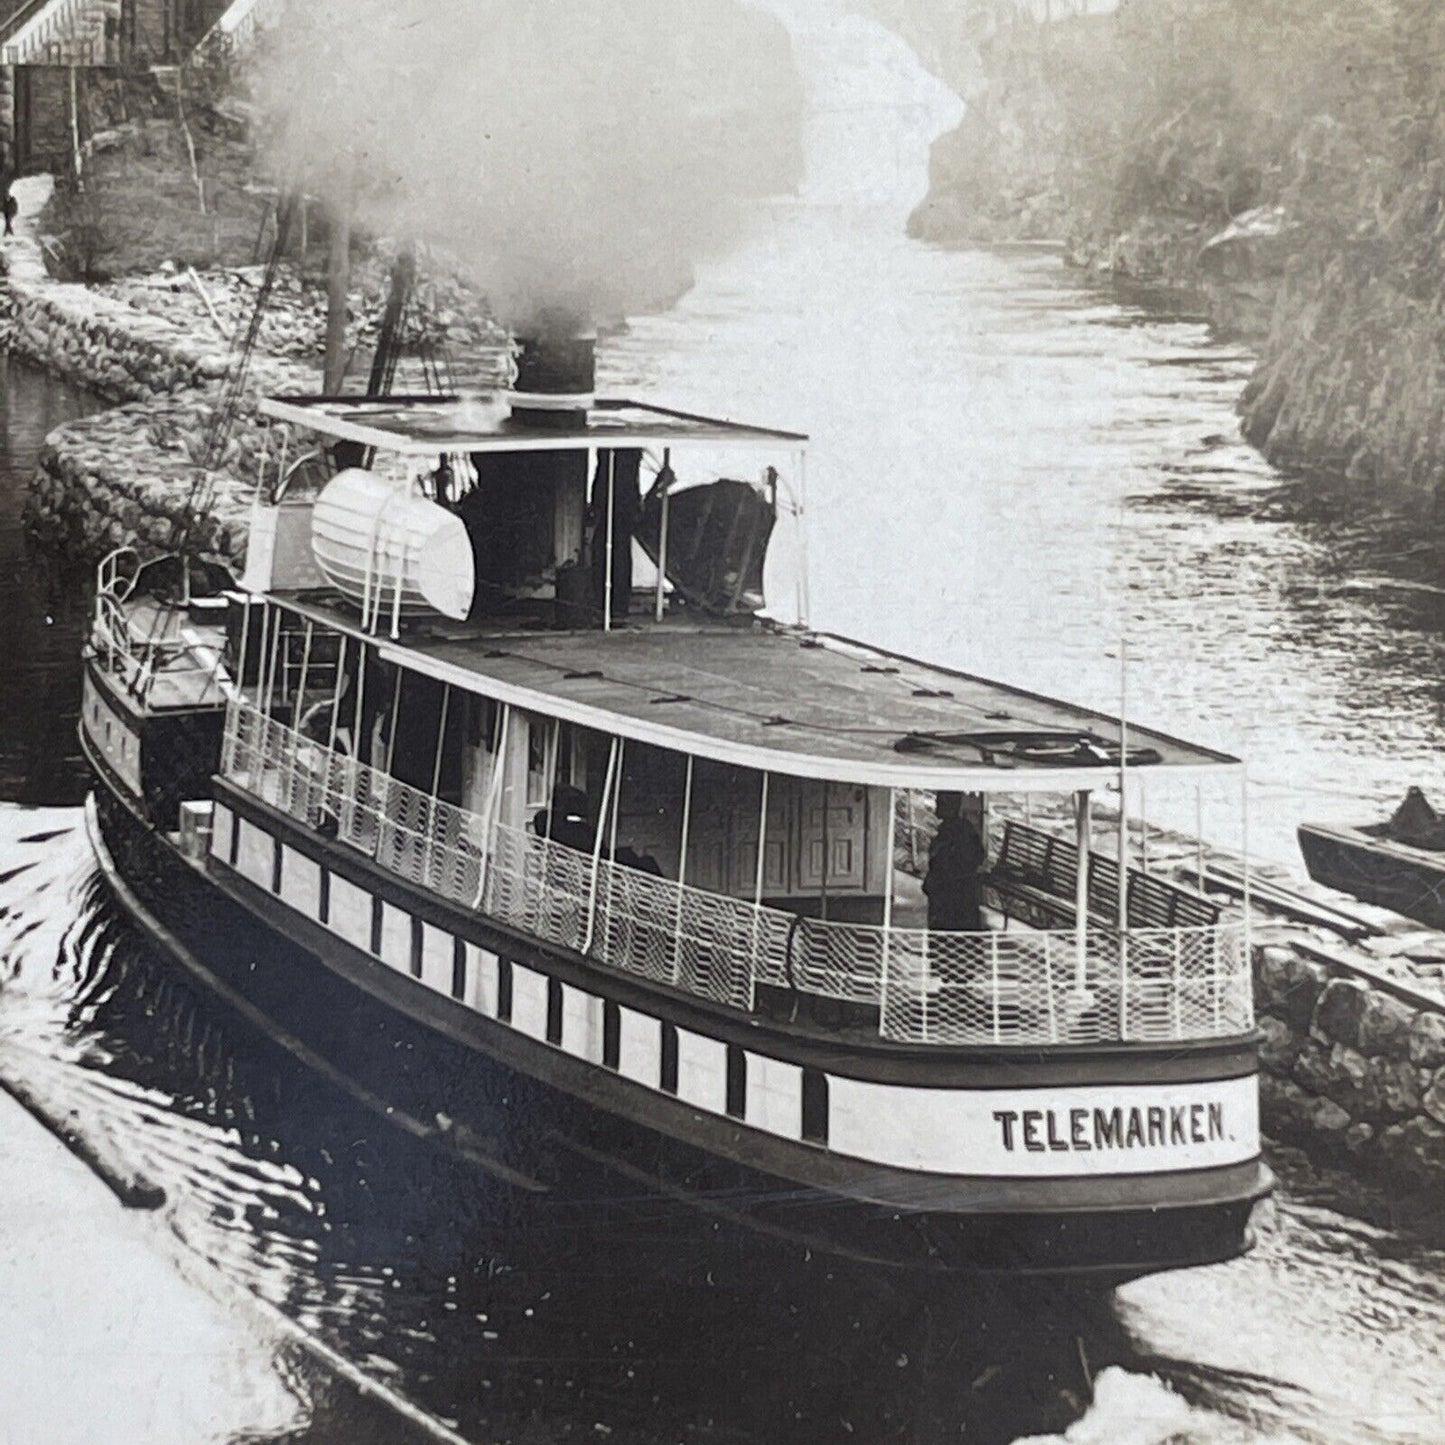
1014, 471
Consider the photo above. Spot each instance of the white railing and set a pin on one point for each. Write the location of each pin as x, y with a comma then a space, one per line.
1020, 987
43, 38
139, 654
236, 27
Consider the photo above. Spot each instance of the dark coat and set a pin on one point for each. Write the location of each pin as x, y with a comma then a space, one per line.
953, 887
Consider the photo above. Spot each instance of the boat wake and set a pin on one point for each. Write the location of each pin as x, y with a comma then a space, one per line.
388, 1253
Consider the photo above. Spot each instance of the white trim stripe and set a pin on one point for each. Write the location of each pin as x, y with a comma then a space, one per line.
1039, 1133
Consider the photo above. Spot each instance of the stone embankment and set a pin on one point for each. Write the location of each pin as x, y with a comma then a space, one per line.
127, 474
1354, 1068
158, 348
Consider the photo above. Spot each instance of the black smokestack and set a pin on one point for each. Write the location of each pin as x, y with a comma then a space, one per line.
556, 379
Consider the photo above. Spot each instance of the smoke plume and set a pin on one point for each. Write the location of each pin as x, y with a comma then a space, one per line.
576, 156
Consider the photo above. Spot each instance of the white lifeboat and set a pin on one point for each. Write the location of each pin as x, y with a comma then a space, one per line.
391, 550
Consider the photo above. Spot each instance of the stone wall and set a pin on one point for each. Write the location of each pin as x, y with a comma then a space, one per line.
1354, 1069
129, 474
7, 116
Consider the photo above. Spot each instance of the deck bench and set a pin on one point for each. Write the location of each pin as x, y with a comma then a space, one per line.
1035, 876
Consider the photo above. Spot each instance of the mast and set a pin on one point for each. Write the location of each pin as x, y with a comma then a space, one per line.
338, 280
388, 342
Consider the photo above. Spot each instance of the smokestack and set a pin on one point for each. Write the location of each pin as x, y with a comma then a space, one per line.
556, 380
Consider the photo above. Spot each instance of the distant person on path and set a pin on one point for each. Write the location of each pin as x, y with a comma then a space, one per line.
953, 886
8, 203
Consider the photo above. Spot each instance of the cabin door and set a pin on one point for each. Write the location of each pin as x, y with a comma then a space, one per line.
776, 838
833, 830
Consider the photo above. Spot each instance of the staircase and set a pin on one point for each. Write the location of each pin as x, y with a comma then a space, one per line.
237, 27
59, 32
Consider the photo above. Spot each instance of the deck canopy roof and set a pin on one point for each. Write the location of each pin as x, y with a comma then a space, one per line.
788, 701
427, 426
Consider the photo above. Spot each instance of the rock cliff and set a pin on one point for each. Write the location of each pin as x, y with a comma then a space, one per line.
1280, 156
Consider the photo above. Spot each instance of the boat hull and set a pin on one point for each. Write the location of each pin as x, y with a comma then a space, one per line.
526, 1126
1406, 880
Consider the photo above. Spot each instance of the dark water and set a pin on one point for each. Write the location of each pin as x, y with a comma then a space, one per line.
43, 608
651, 1326
1012, 472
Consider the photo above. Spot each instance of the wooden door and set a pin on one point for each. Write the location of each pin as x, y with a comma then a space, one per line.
832, 838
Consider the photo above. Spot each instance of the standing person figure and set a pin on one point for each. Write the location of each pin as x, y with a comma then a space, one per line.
8, 204
953, 886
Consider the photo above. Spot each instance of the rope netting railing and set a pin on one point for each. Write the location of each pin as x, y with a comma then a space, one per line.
1021, 987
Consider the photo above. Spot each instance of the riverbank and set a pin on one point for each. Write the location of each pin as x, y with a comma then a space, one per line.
160, 348
1278, 165
103, 1336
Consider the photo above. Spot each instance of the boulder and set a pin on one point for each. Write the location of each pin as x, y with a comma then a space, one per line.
1289, 985
1392, 1090
1278, 1047
1433, 1098
1359, 1140
1329, 1122
1427, 1040
1339, 1012
1348, 1070
1312, 1069
1284, 1107
1415, 1151
1385, 1026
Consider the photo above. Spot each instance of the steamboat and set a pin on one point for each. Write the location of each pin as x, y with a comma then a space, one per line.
493, 786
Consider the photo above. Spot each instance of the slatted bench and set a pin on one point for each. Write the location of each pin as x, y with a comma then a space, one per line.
1035, 876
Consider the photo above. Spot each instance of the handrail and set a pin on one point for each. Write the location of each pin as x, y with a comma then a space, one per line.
1017, 987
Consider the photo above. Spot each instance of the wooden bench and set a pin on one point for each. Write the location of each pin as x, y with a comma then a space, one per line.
1035, 878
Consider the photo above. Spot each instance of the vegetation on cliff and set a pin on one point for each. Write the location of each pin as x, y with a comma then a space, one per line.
1138, 136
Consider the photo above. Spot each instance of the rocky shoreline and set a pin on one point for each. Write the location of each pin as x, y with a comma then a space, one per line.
125, 474
1353, 1069
158, 349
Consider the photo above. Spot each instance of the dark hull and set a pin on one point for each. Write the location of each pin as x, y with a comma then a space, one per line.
557, 1152
1376, 870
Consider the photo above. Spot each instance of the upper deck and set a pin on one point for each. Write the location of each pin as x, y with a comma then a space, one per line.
786, 700
426, 426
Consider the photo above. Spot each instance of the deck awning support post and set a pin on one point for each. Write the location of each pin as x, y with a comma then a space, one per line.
682, 870
305, 671
393, 721
1248, 961
262, 653
612, 829
659, 601
888, 907
1123, 840
1083, 827
611, 518
801, 517
758, 875
493, 804
602, 811
241, 653
436, 767
1123, 791
336, 695
276, 635
1199, 834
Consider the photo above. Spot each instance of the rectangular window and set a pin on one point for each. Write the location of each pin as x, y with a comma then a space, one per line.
815, 1106
504, 990
554, 1011
737, 1095
611, 1034
459, 969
